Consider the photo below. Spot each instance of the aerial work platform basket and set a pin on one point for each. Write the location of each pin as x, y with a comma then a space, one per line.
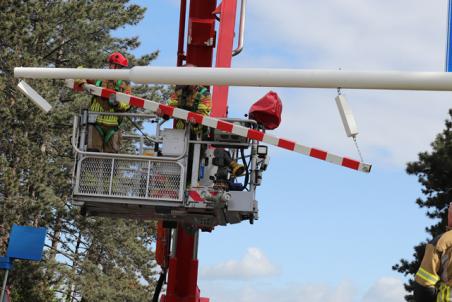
169, 176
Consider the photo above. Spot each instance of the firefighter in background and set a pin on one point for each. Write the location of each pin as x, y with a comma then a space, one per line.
103, 130
433, 280
194, 98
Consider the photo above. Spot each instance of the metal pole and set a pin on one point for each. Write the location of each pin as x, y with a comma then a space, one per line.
266, 77
5, 279
448, 67
241, 29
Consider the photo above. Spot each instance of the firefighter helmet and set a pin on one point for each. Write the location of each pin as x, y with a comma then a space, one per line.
118, 58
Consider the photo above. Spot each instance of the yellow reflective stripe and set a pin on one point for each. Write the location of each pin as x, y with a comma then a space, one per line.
204, 111
173, 102
180, 124
123, 106
108, 120
440, 296
203, 107
96, 107
444, 293
426, 276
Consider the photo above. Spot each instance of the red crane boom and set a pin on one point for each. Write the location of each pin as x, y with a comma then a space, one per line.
182, 265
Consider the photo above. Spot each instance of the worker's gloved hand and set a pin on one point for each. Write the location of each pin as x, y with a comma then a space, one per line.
86, 88
424, 293
112, 101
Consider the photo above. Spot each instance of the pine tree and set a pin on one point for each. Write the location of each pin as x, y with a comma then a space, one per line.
434, 172
86, 259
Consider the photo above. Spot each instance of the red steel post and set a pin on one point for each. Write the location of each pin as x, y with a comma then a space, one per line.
224, 55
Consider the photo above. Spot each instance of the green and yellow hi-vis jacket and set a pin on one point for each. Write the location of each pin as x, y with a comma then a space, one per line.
436, 266
99, 104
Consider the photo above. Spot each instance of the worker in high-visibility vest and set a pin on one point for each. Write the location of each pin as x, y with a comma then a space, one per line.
103, 134
194, 98
433, 280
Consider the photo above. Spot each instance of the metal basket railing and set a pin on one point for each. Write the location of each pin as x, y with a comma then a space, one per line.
149, 179
126, 176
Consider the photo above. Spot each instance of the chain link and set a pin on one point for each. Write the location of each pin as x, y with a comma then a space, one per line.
357, 148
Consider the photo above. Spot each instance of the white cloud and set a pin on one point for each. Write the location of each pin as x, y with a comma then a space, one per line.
254, 264
386, 289
344, 292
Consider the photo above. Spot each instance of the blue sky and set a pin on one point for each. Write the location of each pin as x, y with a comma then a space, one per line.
325, 233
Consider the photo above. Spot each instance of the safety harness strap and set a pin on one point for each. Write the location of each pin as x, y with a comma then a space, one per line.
106, 136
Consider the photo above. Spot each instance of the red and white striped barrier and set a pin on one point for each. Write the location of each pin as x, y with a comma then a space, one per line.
211, 122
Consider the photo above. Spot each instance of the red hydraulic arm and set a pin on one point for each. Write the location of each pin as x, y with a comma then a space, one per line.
227, 12
183, 263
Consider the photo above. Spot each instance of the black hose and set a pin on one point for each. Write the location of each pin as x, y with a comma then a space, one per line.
158, 287
247, 174
139, 129
162, 278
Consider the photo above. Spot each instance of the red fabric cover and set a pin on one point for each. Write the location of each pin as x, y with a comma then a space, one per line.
267, 110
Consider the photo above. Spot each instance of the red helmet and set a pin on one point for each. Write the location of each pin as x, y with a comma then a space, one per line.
118, 58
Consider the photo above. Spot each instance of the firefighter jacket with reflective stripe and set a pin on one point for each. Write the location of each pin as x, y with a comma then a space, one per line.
99, 104
436, 266
198, 100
